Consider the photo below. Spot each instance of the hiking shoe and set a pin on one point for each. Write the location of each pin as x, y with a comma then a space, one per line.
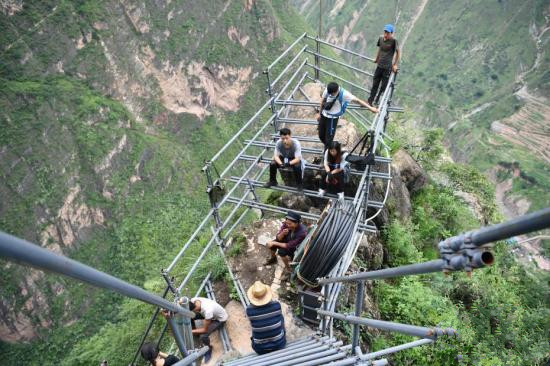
207, 356
270, 184
271, 260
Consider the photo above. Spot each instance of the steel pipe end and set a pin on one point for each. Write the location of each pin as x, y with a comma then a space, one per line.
482, 259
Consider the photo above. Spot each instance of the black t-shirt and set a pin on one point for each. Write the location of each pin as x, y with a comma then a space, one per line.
170, 360
387, 50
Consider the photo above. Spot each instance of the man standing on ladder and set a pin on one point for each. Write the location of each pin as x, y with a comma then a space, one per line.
387, 49
333, 104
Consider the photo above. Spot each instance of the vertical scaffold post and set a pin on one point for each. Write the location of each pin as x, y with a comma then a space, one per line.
358, 309
185, 324
324, 319
209, 191
176, 327
367, 191
253, 191
270, 92
317, 43
392, 88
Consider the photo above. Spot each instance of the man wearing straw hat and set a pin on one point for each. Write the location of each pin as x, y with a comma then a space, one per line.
266, 319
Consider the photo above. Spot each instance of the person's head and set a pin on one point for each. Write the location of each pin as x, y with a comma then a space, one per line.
286, 136
332, 88
335, 149
292, 220
195, 306
150, 352
388, 31
259, 294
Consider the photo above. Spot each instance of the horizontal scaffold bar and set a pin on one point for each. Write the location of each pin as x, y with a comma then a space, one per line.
340, 63
376, 175
306, 103
413, 330
19, 250
340, 48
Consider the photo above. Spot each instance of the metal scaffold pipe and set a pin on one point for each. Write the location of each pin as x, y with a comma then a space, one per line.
192, 357
413, 330
19, 250
520, 225
411, 269
401, 347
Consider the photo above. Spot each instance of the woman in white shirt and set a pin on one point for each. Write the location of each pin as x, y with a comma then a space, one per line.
333, 175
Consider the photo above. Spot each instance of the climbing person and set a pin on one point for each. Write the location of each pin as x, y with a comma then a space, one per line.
334, 102
266, 319
288, 154
387, 48
334, 174
151, 353
289, 237
214, 317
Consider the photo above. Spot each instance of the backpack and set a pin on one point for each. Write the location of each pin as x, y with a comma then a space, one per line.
343, 105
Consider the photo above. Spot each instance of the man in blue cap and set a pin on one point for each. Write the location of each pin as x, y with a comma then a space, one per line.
387, 49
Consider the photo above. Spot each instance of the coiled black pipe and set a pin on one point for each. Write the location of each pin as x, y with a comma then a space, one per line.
329, 244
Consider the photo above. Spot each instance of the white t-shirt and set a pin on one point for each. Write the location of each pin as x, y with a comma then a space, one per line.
211, 310
336, 107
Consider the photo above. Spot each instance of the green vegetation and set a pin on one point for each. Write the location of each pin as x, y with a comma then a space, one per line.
501, 313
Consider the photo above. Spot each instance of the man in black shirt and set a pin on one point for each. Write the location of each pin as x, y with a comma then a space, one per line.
387, 48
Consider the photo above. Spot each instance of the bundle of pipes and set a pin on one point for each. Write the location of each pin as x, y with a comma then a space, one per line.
328, 245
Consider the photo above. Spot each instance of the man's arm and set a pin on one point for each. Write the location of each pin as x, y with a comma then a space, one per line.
297, 154
277, 244
204, 329
366, 105
397, 56
276, 154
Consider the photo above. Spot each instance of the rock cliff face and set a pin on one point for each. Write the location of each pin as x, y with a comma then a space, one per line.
99, 103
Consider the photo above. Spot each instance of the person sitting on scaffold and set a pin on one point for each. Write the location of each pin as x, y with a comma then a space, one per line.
333, 105
288, 154
335, 165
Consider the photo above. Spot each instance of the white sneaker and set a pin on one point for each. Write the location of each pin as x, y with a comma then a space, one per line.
341, 196
321, 192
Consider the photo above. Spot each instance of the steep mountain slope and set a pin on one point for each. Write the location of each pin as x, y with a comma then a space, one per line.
478, 69
104, 106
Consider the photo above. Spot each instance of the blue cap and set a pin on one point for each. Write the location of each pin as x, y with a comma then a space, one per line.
388, 28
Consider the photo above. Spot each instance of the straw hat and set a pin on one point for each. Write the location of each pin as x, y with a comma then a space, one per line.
259, 294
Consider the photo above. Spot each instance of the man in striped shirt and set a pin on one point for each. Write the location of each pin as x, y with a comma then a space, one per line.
266, 319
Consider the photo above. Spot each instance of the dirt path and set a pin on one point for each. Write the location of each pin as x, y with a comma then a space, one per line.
526, 252
413, 22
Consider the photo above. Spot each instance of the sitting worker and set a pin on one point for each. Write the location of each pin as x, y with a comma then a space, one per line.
333, 175
150, 352
288, 154
333, 104
289, 237
214, 316
266, 319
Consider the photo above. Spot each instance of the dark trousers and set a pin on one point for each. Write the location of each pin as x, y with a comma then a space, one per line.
379, 75
336, 185
273, 166
214, 325
327, 130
